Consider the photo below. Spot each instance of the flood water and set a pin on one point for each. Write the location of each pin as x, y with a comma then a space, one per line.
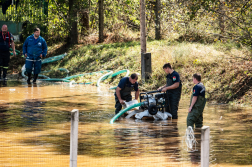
35, 131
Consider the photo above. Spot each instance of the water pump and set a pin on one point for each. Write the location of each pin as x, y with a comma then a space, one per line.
153, 105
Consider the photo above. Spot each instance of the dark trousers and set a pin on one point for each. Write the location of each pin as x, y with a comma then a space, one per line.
118, 105
4, 62
173, 103
195, 117
33, 62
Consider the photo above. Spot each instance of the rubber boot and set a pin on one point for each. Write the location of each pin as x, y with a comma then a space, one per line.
29, 78
4, 73
35, 76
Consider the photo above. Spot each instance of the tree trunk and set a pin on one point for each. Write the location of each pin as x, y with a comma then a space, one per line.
221, 17
73, 22
101, 20
84, 21
157, 20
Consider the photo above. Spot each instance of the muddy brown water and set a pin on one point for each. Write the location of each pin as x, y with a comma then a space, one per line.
35, 130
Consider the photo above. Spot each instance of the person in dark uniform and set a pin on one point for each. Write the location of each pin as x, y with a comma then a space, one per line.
123, 91
172, 88
6, 40
34, 49
197, 103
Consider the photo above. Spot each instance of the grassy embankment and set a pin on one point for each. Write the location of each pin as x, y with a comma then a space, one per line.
226, 69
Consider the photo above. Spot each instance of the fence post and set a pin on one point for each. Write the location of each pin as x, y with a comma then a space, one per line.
74, 137
205, 146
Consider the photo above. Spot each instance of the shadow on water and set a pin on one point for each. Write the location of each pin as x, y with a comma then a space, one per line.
3, 118
11, 83
23, 83
30, 115
49, 118
148, 140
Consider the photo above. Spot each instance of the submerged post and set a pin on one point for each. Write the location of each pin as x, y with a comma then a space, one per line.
74, 137
205, 146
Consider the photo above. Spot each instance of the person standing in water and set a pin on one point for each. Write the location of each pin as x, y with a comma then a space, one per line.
34, 49
6, 41
172, 88
197, 103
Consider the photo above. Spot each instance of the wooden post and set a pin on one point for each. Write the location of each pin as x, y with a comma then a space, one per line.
147, 64
205, 146
74, 137
157, 20
143, 37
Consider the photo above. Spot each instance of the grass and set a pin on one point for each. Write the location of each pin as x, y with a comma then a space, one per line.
226, 68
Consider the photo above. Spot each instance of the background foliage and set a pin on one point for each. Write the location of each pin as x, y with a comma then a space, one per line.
195, 20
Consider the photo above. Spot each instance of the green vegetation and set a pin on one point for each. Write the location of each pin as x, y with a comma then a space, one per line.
225, 67
211, 37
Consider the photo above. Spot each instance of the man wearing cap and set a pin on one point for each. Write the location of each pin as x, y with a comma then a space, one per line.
6, 41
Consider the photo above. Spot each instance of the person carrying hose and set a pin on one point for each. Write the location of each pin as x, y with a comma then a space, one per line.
197, 103
34, 49
123, 91
172, 88
6, 40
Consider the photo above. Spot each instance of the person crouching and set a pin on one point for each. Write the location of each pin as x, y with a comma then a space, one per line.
123, 91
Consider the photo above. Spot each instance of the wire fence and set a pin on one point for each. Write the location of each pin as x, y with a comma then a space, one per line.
33, 11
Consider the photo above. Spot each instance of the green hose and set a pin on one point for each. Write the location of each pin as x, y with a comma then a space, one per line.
17, 51
113, 88
87, 83
79, 75
53, 59
55, 80
124, 110
117, 73
120, 72
44, 76
68, 78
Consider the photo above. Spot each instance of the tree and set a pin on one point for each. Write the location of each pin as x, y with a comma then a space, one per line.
101, 20
84, 21
221, 17
73, 22
157, 20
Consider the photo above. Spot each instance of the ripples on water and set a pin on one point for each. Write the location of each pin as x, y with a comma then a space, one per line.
35, 129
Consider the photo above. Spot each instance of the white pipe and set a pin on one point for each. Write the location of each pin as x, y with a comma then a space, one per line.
127, 74
23, 71
205, 146
99, 80
74, 137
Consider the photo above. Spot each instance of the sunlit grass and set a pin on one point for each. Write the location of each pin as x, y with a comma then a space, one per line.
221, 64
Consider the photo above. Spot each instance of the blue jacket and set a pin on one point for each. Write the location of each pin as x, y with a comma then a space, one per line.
35, 48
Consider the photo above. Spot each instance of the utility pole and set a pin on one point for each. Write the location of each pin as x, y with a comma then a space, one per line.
157, 20
143, 37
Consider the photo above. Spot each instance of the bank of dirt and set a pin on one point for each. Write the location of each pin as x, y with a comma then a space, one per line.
226, 68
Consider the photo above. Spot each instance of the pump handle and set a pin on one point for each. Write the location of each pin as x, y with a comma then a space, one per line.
155, 91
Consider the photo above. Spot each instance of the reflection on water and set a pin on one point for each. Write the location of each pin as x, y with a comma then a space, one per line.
35, 130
